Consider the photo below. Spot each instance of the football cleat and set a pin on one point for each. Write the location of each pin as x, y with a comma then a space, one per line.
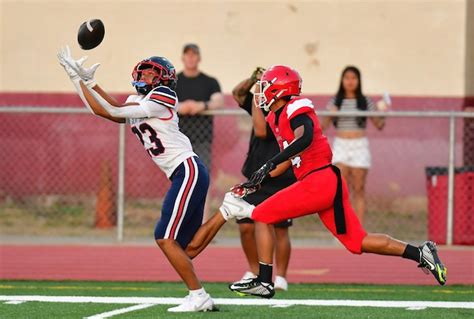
233, 207
430, 262
195, 304
253, 287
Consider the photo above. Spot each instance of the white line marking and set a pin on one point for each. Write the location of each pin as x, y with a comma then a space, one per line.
416, 308
14, 302
281, 306
112, 313
249, 302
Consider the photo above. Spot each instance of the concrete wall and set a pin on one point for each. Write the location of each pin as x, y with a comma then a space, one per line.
470, 50
408, 47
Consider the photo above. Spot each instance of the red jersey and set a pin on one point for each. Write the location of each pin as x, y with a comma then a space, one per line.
318, 154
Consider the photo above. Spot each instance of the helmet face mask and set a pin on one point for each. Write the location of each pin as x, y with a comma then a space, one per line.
151, 73
145, 79
261, 96
276, 82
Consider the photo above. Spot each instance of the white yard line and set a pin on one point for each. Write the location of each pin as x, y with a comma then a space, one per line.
14, 302
120, 311
249, 302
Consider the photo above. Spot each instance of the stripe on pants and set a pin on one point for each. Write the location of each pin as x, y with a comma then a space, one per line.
196, 170
181, 199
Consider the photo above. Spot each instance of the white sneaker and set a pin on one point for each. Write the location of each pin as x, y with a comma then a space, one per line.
195, 304
248, 275
233, 207
281, 283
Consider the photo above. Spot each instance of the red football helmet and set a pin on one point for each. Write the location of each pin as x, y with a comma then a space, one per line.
277, 82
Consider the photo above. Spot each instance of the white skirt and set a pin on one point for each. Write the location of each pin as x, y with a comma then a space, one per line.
353, 152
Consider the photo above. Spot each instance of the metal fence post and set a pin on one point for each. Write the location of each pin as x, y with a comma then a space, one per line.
121, 183
452, 143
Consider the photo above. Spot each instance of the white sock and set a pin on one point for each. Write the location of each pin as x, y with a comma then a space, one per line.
197, 293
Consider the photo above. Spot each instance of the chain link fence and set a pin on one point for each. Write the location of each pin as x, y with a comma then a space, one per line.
60, 176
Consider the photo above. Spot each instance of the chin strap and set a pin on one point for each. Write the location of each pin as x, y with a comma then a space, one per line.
266, 107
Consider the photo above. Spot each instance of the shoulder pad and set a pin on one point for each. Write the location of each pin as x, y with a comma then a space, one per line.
163, 95
299, 106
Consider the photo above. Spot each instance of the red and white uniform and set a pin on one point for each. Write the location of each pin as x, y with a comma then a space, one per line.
318, 154
315, 190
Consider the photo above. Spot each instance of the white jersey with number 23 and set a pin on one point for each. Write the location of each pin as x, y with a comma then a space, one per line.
158, 128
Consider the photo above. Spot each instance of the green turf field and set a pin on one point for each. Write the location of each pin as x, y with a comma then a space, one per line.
330, 293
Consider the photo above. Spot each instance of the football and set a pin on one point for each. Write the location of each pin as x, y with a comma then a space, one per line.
90, 34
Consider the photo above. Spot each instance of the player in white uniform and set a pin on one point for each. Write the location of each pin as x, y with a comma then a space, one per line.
153, 118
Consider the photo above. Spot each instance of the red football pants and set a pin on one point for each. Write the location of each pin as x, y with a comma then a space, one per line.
314, 194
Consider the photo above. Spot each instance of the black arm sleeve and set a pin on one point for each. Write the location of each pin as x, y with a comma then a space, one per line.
299, 144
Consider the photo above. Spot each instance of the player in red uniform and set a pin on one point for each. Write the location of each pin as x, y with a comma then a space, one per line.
319, 187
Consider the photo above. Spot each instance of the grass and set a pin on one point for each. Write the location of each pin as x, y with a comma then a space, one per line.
219, 290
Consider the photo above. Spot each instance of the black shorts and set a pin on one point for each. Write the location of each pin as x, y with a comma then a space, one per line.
267, 190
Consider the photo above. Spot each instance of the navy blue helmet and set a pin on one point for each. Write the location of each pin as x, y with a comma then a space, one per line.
163, 74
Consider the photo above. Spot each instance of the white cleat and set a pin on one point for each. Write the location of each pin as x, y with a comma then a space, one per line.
281, 283
195, 304
233, 207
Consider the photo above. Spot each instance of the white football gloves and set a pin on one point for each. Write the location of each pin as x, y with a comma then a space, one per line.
75, 68
63, 55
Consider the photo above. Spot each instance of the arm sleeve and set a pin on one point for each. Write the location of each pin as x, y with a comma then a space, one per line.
300, 144
147, 108
131, 111
77, 85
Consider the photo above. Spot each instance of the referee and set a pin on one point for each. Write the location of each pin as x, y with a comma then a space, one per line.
262, 147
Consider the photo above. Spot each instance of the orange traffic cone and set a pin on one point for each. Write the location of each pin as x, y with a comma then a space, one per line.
105, 213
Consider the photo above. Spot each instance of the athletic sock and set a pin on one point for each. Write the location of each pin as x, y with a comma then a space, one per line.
197, 293
265, 272
412, 252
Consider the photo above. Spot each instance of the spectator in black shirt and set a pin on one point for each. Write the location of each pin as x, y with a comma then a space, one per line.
262, 147
197, 92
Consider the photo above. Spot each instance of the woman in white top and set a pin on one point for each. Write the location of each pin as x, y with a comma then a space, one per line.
351, 147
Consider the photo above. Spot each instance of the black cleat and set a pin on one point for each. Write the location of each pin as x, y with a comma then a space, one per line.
253, 287
430, 262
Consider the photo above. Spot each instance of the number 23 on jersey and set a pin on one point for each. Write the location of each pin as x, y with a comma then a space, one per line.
144, 130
